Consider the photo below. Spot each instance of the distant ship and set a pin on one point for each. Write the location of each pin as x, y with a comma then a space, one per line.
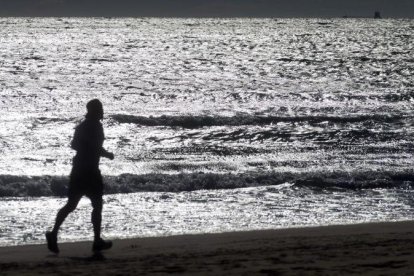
377, 15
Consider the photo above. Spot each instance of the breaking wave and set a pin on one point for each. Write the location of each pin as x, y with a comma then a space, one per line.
40, 186
190, 121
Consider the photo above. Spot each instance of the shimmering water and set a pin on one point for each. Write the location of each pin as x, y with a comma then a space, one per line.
204, 211
314, 116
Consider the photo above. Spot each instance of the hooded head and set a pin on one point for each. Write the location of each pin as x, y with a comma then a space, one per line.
95, 109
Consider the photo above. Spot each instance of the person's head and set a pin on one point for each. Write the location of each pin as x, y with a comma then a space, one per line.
95, 109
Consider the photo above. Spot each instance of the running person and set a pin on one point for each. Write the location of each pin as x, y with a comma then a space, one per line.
85, 178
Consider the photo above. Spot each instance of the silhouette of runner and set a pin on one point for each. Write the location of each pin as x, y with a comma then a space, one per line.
85, 178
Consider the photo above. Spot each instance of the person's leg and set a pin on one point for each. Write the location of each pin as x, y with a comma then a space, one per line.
51, 237
97, 216
98, 243
70, 206
95, 193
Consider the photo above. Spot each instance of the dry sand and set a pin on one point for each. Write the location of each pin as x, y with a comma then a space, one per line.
362, 249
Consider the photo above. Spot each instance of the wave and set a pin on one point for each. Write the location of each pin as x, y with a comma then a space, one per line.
191, 121
40, 186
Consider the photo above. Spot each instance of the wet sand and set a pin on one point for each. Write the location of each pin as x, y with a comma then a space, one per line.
361, 249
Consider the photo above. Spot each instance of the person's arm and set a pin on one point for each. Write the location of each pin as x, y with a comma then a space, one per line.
104, 152
107, 154
75, 144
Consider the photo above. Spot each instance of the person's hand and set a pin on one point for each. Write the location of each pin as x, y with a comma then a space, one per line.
110, 156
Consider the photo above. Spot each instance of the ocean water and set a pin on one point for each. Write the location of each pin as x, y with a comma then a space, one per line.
217, 124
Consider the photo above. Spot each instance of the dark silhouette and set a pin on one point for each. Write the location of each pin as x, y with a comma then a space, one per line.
85, 178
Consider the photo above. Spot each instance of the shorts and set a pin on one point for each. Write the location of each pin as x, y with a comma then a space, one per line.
85, 182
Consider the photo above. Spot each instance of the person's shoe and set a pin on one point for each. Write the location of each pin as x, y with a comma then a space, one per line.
52, 242
101, 245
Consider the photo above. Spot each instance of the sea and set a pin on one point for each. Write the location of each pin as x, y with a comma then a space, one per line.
217, 125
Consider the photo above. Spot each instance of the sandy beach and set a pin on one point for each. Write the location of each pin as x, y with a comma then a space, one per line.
363, 249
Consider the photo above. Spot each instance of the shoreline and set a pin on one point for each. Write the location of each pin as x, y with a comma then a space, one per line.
369, 248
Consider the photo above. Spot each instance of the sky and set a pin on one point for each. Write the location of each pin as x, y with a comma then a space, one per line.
208, 8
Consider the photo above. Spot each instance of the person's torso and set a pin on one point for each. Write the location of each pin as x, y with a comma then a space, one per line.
87, 142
